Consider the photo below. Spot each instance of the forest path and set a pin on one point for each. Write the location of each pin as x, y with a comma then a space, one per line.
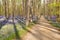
42, 31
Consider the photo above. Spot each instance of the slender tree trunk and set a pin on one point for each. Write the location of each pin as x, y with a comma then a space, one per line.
27, 8
5, 7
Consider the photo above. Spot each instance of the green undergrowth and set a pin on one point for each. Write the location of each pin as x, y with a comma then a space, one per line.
55, 24
21, 32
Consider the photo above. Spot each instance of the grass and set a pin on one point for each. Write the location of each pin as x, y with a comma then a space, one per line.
5, 31
55, 24
12, 35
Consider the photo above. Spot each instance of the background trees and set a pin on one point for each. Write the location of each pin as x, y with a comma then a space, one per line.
29, 8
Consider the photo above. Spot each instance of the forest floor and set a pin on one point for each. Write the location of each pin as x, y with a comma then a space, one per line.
42, 31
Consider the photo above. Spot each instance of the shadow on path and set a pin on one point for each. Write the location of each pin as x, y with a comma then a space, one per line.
35, 35
16, 32
47, 35
49, 27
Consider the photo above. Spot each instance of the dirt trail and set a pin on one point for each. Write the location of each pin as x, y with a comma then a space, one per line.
42, 32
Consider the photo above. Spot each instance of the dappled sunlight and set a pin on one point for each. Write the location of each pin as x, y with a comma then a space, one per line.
29, 19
